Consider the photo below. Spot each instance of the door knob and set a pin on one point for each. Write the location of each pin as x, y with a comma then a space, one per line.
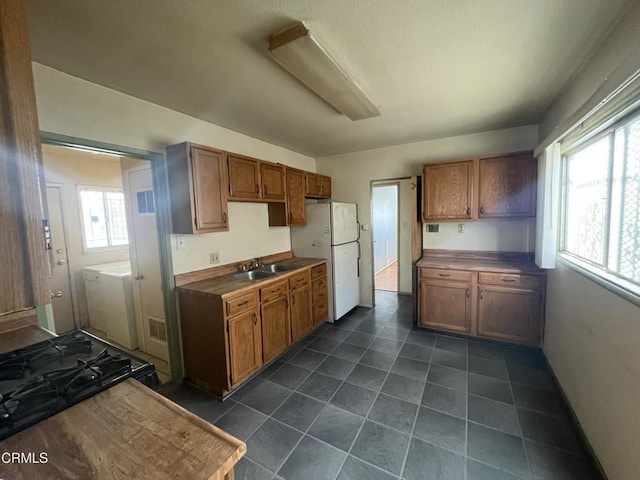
62, 262
57, 294
59, 250
139, 277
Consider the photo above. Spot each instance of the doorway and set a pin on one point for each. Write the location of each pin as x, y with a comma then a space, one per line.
384, 204
106, 276
397, 232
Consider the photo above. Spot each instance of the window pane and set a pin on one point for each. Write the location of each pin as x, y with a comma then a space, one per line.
586, 201
94, 219
117, 218
626, 217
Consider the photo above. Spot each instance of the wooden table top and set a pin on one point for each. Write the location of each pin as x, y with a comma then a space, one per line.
225, 284
125, 432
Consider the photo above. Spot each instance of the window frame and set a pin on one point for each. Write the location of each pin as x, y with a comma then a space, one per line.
109, 248
601, 274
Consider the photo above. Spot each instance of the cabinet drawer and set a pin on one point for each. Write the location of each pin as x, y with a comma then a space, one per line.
319, 284
319, 296
319, 270
511, 280
444, 274
320, 312
274, 290
240, 303
299, 280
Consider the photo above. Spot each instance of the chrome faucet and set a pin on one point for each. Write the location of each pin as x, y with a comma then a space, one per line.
254, 263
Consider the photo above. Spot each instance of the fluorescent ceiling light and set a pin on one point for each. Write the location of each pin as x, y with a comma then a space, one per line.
299, 53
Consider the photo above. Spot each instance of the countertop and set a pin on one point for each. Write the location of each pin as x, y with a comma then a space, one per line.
225, 284
480, 262
126, 431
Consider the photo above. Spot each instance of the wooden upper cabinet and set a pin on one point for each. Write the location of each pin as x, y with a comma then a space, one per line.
313, 187
448, 191
273, 182
244, 178
317, 186
297, 212
245, 345
507, 187
198, 189
325, 186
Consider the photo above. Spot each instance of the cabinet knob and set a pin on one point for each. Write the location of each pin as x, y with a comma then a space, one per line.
481, 294
468, 210
139, 277
257, 188
264, 190
481, 210
224, 217
255, 319
468, 293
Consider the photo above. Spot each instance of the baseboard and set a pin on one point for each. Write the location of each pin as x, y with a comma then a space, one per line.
583, 437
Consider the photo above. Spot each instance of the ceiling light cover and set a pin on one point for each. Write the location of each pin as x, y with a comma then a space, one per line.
302, 56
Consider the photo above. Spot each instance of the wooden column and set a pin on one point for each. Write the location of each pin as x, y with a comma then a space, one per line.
24, 268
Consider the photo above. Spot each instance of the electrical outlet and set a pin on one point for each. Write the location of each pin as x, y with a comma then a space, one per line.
433, 228
180, 242
461, 228
214, 257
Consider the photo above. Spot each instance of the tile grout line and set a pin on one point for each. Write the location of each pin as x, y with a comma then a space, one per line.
415, 418
524, 446
466, 424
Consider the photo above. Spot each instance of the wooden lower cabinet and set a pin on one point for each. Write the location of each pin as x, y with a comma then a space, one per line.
445, 304
301, 321
245, 345
319, 295
227, 338
509, 314
276, 327
499, 306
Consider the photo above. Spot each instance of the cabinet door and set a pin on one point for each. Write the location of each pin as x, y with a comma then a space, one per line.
245, 348
297, 211
276, 331
509, 314
508, 187
272, 182
313, 185
448, 191
325, 186
301, 321
445, 305
244, 178
209, 190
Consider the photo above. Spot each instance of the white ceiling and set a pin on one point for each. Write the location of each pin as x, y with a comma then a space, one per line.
434, 68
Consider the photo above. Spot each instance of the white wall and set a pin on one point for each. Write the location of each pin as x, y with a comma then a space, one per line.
71, 106
592, 336
352, 174
592, 340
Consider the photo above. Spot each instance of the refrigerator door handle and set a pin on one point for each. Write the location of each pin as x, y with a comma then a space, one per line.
358, 223
358, 259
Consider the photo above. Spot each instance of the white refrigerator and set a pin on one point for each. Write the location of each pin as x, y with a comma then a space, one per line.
332, 232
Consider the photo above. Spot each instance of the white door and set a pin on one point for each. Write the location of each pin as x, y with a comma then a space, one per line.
59, 284
344, 217
145, 264
346, 285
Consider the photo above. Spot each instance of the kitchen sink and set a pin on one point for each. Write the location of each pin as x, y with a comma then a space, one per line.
254, 275
278, 267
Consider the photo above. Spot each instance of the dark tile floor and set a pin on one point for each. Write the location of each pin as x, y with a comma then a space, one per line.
372, 397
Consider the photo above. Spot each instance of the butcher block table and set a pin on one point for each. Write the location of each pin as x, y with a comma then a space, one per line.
125, 432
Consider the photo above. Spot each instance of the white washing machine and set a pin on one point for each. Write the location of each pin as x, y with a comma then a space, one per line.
110, 301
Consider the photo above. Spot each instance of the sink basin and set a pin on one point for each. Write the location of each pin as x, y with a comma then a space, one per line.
254, 275
278, 267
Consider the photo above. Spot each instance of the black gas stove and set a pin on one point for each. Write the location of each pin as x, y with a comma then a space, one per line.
45, 378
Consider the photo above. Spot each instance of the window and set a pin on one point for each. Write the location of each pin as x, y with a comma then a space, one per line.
601, 209
104, 223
